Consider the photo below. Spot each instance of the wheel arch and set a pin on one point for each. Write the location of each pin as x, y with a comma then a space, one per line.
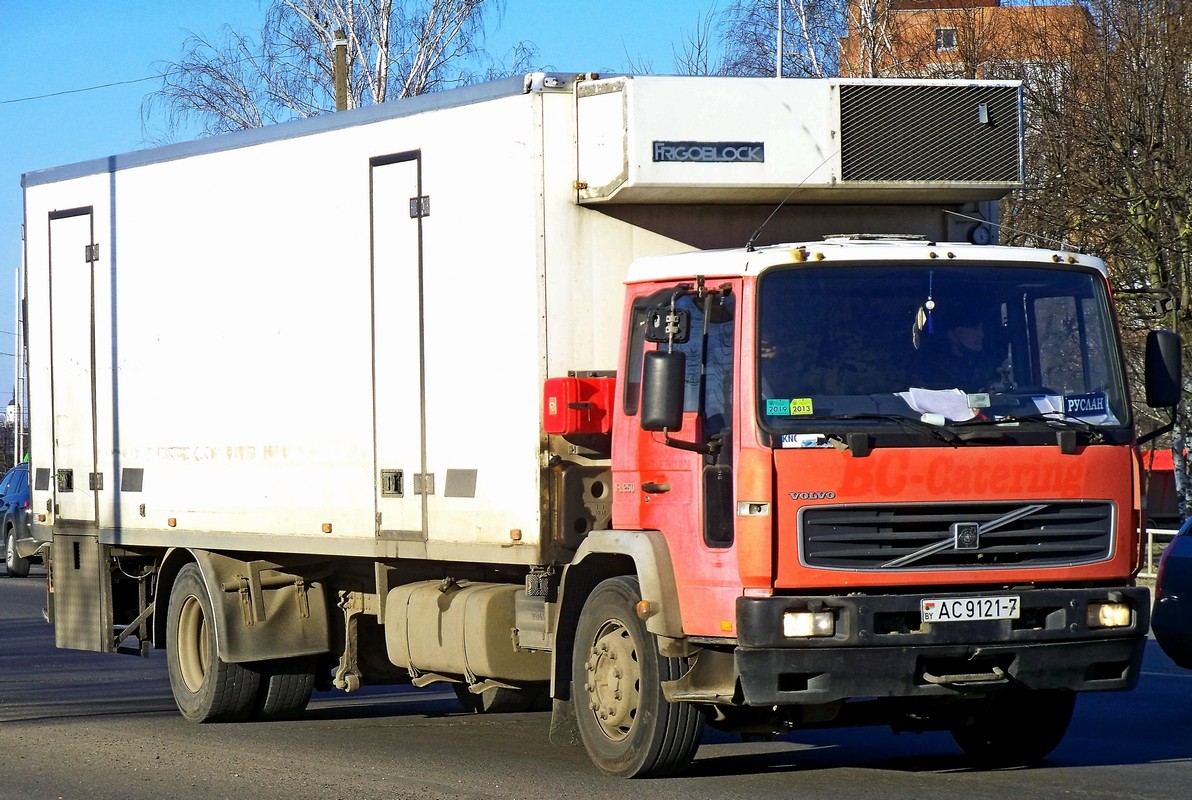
167, 572
243, 633
609, 554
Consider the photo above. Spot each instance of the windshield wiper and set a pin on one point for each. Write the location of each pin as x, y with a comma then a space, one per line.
943, 433
1054, 420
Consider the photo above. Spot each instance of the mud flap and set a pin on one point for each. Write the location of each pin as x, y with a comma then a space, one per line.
82, 594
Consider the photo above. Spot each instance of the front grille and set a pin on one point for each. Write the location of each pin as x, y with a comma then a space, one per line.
916, 537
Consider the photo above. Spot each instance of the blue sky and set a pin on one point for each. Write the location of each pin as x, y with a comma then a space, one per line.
53, 47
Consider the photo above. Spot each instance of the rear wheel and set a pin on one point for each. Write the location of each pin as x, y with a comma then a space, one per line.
17, 567
1016, 728
206, 688
286, 685
626, 724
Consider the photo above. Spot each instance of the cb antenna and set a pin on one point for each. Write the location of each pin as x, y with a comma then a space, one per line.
749, 245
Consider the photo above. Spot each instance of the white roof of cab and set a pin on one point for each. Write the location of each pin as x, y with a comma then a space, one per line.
839, 249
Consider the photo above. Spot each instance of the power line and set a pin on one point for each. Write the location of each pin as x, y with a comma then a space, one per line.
80, 90
159, 76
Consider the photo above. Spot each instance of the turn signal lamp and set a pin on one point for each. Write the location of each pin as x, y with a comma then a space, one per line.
644, 609
804, 624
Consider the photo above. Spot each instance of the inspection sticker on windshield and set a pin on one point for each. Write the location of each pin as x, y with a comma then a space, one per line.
797, 406
960, 609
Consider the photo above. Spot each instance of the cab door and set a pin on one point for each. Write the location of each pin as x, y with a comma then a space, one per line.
680, 482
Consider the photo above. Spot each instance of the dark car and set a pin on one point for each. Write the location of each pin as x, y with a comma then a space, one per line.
19, 549
1172, 618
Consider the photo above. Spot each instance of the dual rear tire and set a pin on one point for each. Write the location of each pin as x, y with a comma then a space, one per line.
208, 689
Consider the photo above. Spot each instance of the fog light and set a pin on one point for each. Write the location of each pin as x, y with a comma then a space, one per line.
797, 624
1110, 615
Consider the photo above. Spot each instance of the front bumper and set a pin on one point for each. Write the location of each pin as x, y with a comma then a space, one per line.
882, 649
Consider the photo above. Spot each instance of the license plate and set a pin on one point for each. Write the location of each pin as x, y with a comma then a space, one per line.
960, 609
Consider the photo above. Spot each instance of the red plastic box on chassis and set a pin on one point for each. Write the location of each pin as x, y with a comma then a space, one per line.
575, 405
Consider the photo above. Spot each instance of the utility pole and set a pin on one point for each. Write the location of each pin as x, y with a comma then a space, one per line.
18, 422
341, 69
779, 73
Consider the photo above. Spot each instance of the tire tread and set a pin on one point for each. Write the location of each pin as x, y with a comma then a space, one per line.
229, 692
285, 688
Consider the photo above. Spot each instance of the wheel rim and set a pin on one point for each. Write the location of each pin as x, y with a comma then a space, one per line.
192, 643
9, 551
613, 685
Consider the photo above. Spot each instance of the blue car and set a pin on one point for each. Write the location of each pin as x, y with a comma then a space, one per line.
1172, 617
19, 549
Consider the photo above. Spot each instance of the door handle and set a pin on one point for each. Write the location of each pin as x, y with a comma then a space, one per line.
655, 488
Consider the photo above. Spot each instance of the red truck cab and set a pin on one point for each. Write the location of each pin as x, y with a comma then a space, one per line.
869, 521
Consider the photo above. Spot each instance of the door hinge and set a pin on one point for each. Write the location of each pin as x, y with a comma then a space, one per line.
95, 481
91, 253
420, 206
424, 483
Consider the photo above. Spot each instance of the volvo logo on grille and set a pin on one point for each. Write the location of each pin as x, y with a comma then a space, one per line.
966, 535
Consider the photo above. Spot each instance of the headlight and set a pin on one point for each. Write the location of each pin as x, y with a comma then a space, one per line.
1110, 615
802, 624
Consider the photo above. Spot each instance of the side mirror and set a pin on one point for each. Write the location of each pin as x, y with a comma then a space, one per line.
662, 390
1164, 383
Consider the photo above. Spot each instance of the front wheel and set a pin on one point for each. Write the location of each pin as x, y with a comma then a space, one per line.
206, 688
626, 724
17, 567
1016, 728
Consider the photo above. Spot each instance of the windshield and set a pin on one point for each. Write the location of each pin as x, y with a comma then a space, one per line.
936, 343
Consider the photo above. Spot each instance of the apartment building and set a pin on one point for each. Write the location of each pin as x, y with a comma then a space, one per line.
959, 38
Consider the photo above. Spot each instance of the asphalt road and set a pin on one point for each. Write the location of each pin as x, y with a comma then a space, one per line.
79, 725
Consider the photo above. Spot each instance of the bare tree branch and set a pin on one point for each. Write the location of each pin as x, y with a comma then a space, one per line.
812, 29
696, 56
395, 49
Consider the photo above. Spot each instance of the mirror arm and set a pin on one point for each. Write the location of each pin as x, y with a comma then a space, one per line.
1157, 432
710, 448
695, 447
